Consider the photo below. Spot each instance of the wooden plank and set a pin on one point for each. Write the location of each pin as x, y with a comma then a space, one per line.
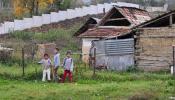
145, 24
116, 19
171, 20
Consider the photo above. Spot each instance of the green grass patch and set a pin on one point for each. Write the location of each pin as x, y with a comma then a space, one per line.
61, 36
110, 85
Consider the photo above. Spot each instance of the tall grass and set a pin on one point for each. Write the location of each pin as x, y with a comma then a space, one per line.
61, 36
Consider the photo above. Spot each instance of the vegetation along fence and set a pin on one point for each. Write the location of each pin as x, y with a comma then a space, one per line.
23, 63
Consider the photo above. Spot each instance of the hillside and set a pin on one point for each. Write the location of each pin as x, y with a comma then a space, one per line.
63, 24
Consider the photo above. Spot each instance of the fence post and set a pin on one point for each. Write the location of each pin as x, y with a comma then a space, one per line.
23, 62
94, 62
174, 60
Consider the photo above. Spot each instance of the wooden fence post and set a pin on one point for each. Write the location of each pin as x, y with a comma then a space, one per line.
23, 62
174, 60
94, 65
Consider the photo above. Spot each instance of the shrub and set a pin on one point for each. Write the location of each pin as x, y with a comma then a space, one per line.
53, 35
22, 35
133, 69
64, 5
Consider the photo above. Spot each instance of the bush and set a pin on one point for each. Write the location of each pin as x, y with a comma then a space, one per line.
63, 5
53, 35
22, 35
133, 69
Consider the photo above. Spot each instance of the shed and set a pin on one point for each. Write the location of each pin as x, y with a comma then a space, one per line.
117, 22
154, 40
98, 34
114, 54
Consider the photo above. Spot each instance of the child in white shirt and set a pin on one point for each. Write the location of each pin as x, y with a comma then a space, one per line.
46, 64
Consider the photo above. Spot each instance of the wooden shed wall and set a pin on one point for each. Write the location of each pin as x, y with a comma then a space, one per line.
153, 48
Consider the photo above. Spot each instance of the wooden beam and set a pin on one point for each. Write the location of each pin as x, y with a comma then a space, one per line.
149, 22
171, 20
115, 19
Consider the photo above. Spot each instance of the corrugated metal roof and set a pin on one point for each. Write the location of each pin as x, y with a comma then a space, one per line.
159, 21
105, 32
134, 15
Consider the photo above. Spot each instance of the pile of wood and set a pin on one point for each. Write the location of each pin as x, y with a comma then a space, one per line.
5, 53
45, 48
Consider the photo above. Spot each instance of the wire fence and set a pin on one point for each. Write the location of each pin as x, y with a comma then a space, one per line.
23, 63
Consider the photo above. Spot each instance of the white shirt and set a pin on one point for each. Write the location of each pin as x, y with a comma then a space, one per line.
57, 60
68, 64
45, 63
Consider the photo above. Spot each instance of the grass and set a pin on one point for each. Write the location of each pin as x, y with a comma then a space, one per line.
106, 85
62, 37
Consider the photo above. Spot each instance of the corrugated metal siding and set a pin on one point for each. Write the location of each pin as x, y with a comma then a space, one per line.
115, 54
119, 47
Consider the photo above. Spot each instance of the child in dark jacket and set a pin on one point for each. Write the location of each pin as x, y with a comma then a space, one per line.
68, 67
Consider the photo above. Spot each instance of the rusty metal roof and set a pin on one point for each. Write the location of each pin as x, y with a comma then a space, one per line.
134, 15
159, 21
90, 23
105, 32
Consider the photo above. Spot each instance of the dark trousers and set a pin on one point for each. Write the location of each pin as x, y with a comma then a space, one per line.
55, 74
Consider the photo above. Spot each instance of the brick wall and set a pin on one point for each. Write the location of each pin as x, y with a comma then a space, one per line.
154, 48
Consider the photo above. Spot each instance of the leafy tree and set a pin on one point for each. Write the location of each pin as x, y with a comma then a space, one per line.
63, 4
31, 7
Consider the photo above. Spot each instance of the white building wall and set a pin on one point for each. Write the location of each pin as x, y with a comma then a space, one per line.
19, 25
28, 23
37, 21
2, 29
86, 45
46, 18
63, 15
9, 27
54, 17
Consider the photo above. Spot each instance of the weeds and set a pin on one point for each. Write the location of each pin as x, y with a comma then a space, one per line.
134, 69
21, 35
62, 37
